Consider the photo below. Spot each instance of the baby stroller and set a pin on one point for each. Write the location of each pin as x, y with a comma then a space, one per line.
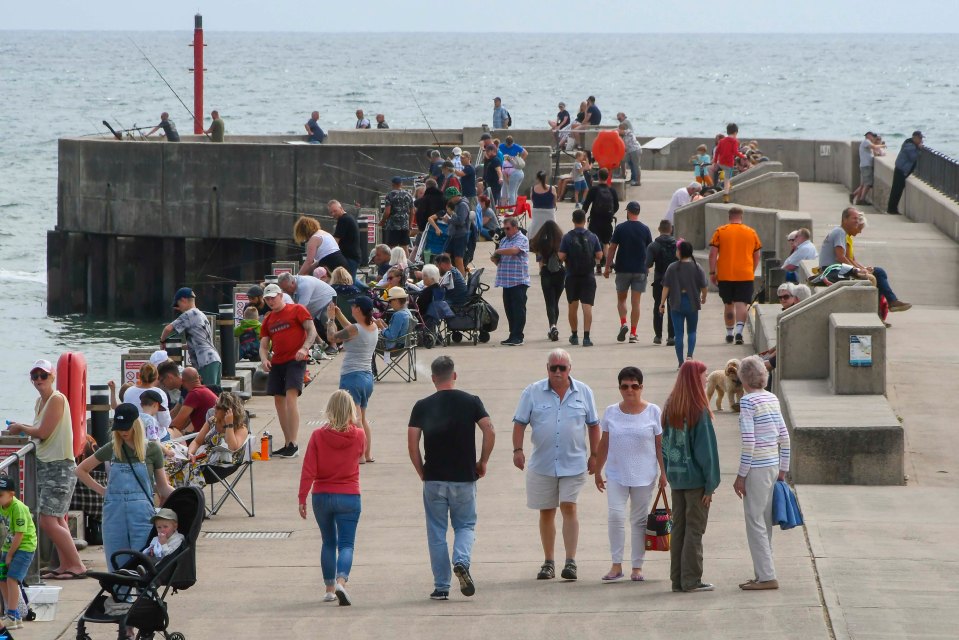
143, 584
476, 319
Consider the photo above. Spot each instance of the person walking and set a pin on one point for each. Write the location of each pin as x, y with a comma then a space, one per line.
691, 461
627, 250
631, 449
543, 198
580, 250
684, 289
552, 273
561, 414
512, 275
605, 203
356, 372
331, 473
734, 254
660, 254
906, 162
763, 461
446, 422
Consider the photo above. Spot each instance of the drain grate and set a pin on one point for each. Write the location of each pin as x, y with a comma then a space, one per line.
246, 535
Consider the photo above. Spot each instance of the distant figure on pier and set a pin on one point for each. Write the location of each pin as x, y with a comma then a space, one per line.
362, 122
627, 250
622, 119
801, 248
727, 151
217, 127
169, 129
868, 150
593, 115
381, 121
315, 295
315, 134
501, 117
905, 165
196, 329
255, 299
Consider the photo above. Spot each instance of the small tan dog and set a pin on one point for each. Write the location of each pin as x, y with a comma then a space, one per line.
725, 382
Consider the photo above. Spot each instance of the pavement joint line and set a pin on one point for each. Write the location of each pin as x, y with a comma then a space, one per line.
827, 615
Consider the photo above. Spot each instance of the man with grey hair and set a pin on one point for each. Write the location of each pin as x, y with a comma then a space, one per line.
315, 295
447, 421
381, 259
681, 197
800, 248
561, 414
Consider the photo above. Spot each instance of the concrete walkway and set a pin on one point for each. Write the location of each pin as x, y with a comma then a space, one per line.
872, 562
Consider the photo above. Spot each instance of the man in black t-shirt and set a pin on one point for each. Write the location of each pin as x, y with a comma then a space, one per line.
447, 421
627, 252
347, 235
169, 129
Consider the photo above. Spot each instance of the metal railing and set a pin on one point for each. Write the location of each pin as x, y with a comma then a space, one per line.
939, 171
22, 465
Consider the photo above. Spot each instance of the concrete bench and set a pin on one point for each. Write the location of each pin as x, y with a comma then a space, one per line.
857, 354
657, 148
847, 439
807, 269
762, 322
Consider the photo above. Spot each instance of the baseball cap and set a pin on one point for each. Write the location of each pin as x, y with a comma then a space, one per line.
633, 206
457, 151
452, 192
365, 304
165, 514
397, 180
183, 292
255, 291
396, 293
870, 133
7, 483
124, 416
152, 396
272, 290
42, 365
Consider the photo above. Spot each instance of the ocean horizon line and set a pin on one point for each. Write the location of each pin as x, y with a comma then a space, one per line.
711, 32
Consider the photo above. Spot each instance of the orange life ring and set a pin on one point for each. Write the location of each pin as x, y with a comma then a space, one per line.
609, 150
72, 382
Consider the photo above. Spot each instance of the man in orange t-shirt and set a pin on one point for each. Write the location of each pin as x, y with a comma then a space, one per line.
734, 254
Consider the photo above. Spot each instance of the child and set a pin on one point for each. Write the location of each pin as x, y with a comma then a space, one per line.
150, 405
167, 539
727, 150
18, 549
113, 392
248, 331
577, 177
701, 162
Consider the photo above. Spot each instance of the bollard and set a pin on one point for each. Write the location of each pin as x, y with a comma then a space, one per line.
100, 413
227, 340
174, 349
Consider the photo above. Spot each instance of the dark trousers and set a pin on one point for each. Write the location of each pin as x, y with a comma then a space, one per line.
686, 544
552, 284
658, 317
514, 303
895, 192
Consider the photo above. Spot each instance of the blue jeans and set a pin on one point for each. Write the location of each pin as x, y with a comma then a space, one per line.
337, 515
688, 313
352, 266
453, 503
882, 283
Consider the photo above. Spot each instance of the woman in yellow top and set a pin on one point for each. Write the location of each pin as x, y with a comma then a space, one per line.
55, 468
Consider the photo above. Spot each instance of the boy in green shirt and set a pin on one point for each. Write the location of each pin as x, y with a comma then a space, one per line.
18, 549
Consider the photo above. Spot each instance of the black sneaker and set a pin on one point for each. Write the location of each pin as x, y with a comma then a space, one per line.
729, 339
439, 595
281, 452
289, 451
739, 338
587, 342
554, 334
574, 339
569, 571
514, 343
670, 342
621, 336
657, 340
462, 572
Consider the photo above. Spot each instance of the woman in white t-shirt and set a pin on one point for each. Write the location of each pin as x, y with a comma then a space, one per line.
631, 449
322, 249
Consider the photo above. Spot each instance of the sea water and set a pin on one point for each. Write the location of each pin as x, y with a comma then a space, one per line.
57, 84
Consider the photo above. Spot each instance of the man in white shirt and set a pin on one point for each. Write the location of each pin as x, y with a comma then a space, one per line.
802, 249
681, 197
362, 122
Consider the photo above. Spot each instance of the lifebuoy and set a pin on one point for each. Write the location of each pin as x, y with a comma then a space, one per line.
72, 382
609, 151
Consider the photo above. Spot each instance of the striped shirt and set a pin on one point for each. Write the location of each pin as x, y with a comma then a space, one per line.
764, 436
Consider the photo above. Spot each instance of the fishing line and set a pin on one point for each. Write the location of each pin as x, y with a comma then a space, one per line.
430, 127
167, 83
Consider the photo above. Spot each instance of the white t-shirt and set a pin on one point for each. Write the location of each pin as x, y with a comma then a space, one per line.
132, 395
680, 198
327, 246
632, 445
866, 158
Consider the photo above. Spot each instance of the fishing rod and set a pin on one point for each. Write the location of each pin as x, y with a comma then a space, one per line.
422, 113
167, 84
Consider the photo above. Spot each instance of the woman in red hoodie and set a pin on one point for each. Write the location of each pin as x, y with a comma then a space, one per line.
331, 470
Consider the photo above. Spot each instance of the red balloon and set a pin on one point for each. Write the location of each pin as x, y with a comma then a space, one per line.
609, 150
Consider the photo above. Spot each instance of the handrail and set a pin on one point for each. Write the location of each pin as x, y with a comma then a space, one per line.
939, 171
19, 455
25, 461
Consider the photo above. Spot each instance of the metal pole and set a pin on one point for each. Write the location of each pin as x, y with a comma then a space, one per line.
225, 320
100, 413
197, 74
174, 350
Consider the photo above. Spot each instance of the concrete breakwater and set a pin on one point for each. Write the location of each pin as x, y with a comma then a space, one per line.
137, 220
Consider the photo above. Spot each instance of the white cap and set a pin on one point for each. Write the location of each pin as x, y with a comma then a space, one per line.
158, 357
272, 290
457, 151
396, 293
42, 365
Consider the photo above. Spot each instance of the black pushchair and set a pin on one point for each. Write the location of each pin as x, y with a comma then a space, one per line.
476, 319
134, 595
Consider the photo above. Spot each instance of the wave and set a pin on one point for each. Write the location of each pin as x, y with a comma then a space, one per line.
5, 205
9, 275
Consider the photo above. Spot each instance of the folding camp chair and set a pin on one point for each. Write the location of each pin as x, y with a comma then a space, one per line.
229, 475
402, 357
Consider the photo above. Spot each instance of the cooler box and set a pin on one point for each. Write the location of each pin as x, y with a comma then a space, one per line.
43, 601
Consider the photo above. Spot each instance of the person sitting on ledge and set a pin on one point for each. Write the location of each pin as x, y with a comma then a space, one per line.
789, 294
801, 248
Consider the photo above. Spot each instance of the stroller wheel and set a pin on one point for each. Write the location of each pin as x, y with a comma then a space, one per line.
484, 336
457, 337
429, 341
176, 635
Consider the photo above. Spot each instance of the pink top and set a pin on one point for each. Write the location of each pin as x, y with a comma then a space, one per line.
332, 462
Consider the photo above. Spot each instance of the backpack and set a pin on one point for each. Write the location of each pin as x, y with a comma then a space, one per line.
579, 258
509, 120
665, 254
603, 201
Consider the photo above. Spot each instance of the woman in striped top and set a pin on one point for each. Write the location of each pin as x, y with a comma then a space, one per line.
764, 459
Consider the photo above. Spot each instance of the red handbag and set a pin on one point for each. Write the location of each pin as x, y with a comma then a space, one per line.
659, 524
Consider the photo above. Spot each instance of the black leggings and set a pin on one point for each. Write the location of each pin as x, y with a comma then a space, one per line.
553, 284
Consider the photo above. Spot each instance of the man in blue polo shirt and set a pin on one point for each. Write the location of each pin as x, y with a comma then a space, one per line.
562, 416
315, 134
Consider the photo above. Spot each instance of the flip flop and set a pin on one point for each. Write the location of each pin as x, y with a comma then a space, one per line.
611, 577
69, 575
638, 578
371, 460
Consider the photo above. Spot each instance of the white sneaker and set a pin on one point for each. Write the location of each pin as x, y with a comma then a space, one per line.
12, 623
329, 597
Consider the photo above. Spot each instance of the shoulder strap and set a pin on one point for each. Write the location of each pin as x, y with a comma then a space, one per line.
127, 455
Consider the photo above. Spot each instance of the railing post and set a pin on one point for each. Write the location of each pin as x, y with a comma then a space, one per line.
227, 346
31, 499
100, 413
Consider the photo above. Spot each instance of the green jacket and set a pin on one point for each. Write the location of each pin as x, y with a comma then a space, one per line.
247, 325
691, 456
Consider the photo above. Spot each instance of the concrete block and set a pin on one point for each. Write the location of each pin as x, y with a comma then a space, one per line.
244, 377
802, 336
762, 220
848, 439
786, 222
763, 319
846, 376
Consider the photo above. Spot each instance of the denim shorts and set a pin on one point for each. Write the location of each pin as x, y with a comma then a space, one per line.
17, 569
359, 384
580, 185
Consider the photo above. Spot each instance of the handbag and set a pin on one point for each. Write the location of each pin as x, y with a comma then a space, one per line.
518, 162
659, 524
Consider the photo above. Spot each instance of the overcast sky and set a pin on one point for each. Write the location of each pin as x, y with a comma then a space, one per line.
540, 16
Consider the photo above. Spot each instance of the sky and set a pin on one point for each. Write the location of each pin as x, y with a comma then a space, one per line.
493, 16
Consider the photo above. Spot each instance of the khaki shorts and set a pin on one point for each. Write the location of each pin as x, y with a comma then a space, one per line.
55, 483
547, 492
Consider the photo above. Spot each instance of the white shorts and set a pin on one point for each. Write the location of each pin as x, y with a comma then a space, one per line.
547, 492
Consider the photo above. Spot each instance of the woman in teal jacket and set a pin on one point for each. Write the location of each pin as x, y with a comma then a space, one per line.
691, 459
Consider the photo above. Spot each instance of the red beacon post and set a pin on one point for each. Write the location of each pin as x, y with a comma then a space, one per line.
197, 74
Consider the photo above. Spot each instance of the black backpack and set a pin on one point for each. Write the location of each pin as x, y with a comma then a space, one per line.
580, 259
509, 119
603, 202
665, 254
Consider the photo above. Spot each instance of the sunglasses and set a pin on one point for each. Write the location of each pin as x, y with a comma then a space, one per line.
634, 386
39, 375
553, 368
785, 297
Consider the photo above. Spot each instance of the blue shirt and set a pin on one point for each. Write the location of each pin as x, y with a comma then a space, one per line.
316, 134
593, 115
499, 117
908, 157
511, 150
560, 447
399, 326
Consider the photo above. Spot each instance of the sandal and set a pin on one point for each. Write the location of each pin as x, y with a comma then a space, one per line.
547, 571
637, 577
611, 577
569, 570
